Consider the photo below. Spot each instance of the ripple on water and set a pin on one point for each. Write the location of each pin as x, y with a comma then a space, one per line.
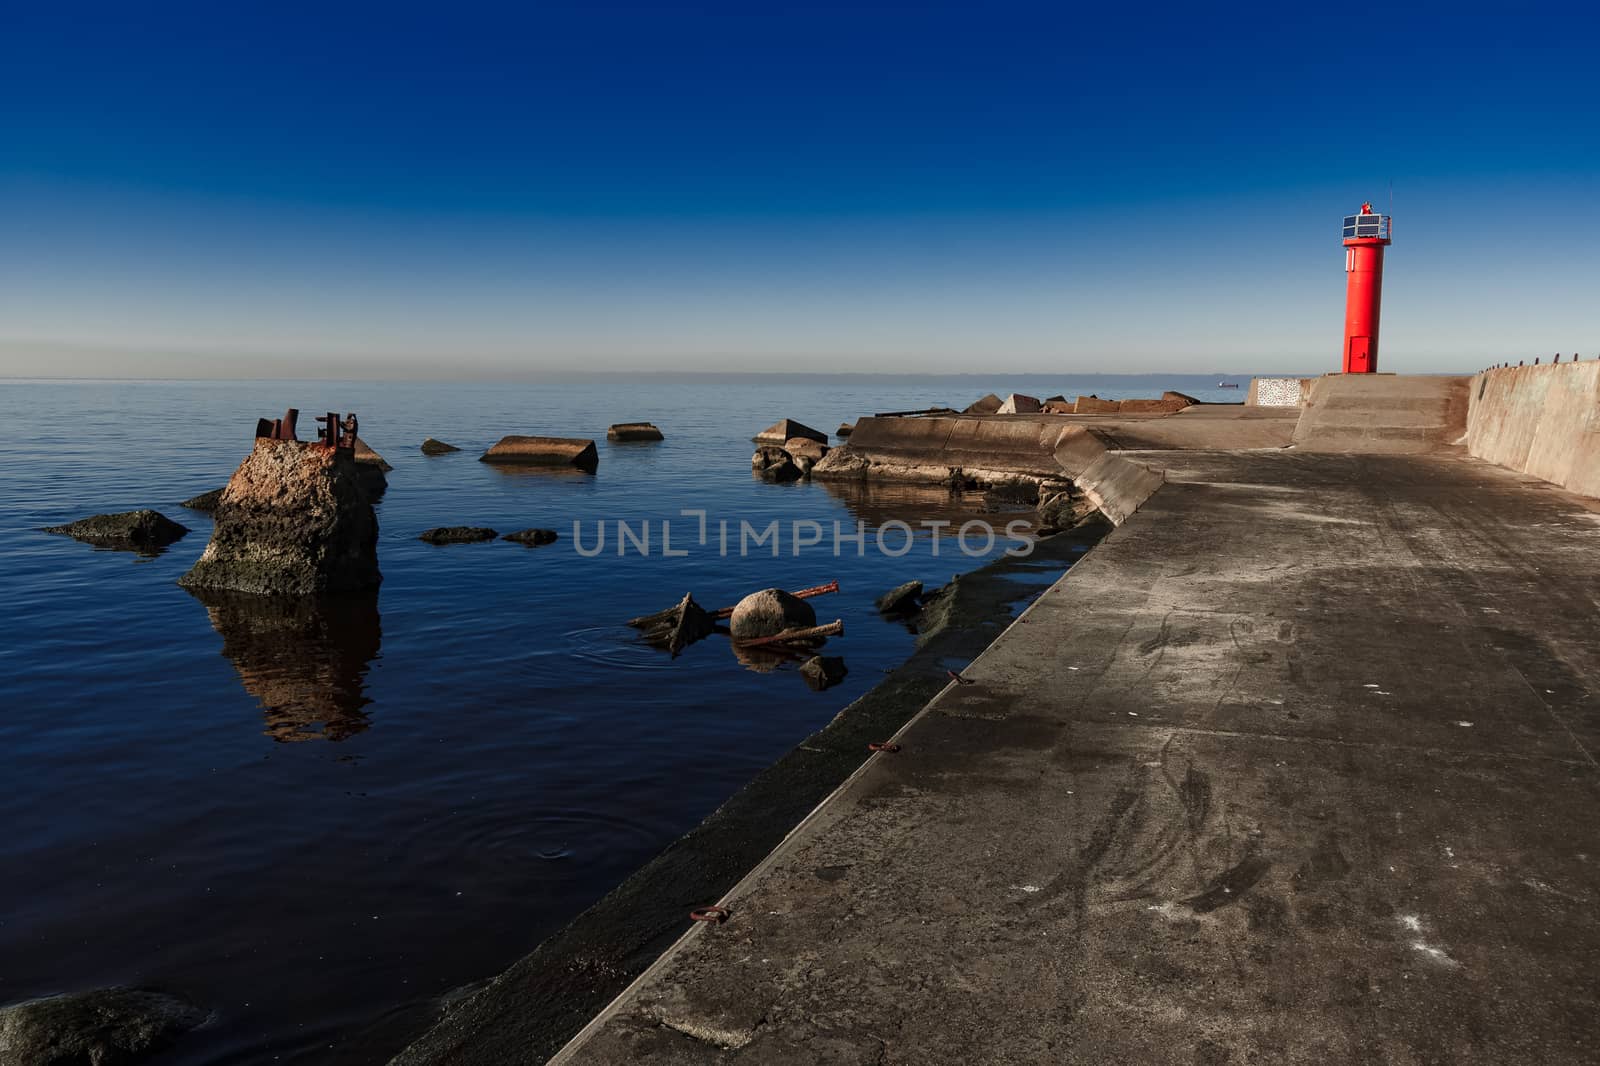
505, 837
617, 647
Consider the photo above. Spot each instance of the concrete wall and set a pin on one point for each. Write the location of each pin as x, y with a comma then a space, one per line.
1383, 413
1541, 420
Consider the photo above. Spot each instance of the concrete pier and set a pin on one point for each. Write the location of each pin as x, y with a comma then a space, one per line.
1298, 765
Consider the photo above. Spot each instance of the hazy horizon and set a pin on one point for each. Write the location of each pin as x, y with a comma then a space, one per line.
502, 193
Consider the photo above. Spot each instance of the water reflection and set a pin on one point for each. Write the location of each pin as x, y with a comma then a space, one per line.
304, 658
877, 502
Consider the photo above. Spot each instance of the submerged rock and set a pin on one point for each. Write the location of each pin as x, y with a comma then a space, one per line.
206, 501
768, 613
823, 671
844, 430
458, 534
532, 537
142, 531
437, 447
106, 1027
677, 627
633, 431
902, 599
294, 519
544, 451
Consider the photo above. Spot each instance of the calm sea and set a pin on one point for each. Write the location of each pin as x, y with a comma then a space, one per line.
318, 822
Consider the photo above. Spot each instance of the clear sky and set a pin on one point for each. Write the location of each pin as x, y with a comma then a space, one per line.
458, 190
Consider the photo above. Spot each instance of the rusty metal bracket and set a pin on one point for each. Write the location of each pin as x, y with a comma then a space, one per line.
278, 428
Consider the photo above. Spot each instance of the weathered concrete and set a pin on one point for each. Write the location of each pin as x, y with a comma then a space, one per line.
572, 452
1296, 767
1278, 392
1116, 485
1541, 420
295, 519
634, 431
1383, 413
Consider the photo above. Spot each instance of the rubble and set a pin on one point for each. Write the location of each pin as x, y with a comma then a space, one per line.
294, 518
823, 671
533, 538
987, 405
458, 534
677, 627
902, 599
141, 531
786, 429
1018, 404
437, 447
206, 501
633, 431
544, 451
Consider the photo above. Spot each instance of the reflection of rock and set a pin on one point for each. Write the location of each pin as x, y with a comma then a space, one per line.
304, 658
206, 501
293, 520
437, 447
457, 534
141, 531
823, 671
110, 1026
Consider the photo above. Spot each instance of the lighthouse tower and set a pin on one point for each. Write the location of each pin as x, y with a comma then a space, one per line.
1366, 235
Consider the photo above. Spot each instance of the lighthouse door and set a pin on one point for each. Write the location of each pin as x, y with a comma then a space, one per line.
1359, 359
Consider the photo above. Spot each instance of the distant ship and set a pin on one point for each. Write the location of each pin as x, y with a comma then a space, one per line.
1227, 385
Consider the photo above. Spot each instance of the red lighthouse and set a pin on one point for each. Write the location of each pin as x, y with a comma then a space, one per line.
1366, 235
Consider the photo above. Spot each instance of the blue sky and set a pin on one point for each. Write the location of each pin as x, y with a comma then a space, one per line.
478, 191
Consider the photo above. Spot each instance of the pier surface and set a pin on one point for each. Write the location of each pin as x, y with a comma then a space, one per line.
1298, 765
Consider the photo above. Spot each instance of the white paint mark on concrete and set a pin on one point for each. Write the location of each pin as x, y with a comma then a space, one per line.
1410, 921
1028, 888
1371, 686
1433, 954
1464, 724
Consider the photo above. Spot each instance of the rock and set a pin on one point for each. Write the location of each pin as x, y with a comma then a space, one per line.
823, 671
141, 531
106, 1027
774, 464
768, 613
844, 430
544, 451
1057, 398
677, 627
532, 537
786, 428
365, 454
458, 534
294, 519
633, 431
805, 446
1018, 404
902, 599
988, 405
804, 463
206, 501
1063, 510
1180, 397
437, 447
1013, 490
